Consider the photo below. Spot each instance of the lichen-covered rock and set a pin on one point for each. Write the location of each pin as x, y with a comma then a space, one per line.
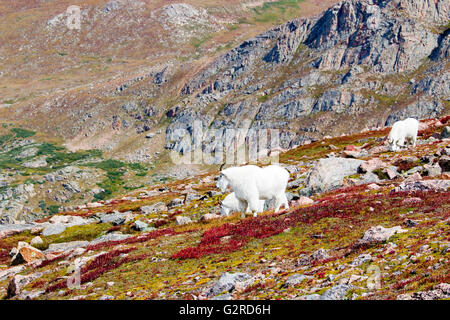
295, 279
140, 225
154, 208
226, 283
338, 292
379, 234
26, 253
439, 292
371, 165
423, 185
328, 174
66, 246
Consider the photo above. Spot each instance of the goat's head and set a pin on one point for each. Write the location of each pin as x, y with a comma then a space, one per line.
222, 182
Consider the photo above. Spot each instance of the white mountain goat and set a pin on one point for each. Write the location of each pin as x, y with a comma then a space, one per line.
402, 131
232, 204
252, 183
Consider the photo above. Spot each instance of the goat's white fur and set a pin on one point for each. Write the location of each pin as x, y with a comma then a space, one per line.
401, 132
232, 204
251, 183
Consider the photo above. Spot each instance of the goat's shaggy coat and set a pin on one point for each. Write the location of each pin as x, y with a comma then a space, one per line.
401, 132
251, 184
232, 204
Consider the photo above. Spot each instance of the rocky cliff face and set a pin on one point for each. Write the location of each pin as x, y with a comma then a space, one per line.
138, 69
374, 61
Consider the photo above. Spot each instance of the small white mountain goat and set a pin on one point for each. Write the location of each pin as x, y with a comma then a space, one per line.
232, 204
404, 130
251, 184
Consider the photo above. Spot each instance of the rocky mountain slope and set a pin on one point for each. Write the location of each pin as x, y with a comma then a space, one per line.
110, 83
83, 111
377, 228
138, 70
139, 67
374, 61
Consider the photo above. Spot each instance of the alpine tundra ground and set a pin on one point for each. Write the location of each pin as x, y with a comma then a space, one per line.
382, 232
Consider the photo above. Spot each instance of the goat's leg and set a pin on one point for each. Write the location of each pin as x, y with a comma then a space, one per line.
278, 202
253, 205
285, 201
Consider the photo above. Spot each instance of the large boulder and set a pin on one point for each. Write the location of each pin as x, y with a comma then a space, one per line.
18, 282
328, 174
26, 253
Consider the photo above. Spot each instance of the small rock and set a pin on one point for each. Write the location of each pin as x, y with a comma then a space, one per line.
414, 177
5, 274
36, 241
175, 203
66, 246
440, 291
379, 234
302, 201
410, 223
227, 283
391, 172
423, 185
371, 165
139, 225
337, 292
212, 193
445, 133
181, 220
373, 186
444, 163
110, 237
209, 217
432, 170
115, 219
320, 254
361, 259
295, 279
154, 208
